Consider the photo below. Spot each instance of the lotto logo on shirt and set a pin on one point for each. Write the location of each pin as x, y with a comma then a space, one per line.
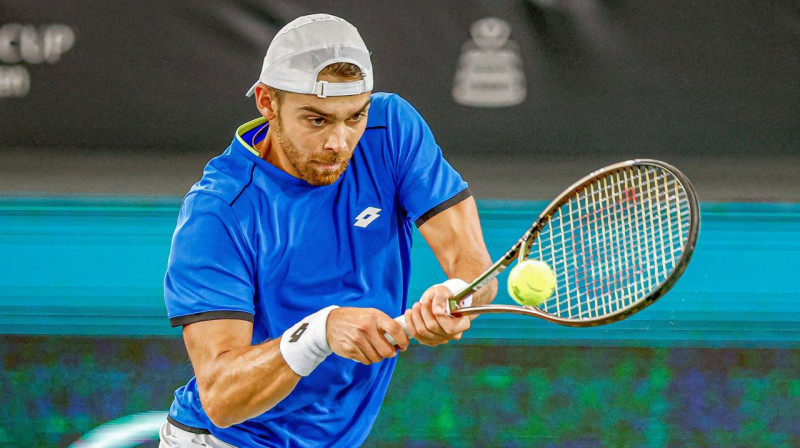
366, 217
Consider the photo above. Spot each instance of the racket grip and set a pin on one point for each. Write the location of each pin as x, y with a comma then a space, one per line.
402, 321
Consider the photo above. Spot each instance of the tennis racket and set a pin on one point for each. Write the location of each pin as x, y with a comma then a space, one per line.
617, 241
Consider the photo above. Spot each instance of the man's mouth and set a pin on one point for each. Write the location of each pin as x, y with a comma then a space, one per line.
327, 166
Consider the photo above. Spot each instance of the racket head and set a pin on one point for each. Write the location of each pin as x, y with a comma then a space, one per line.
617, 240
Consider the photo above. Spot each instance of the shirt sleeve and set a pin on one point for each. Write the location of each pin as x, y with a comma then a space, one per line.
427, 183
209, 272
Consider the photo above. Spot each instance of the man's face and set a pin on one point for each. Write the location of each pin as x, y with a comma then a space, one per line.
317, 136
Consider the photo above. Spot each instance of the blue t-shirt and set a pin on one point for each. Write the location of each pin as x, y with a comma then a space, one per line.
253, 242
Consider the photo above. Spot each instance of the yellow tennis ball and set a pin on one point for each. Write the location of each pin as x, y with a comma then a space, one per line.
531, 282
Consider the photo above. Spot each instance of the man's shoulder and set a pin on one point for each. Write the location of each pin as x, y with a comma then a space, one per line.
387, 108
225, 176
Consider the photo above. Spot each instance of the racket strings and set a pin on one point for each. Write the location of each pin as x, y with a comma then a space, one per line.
614, 241
674, 214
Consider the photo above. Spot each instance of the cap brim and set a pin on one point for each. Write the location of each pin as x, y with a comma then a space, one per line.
253, 89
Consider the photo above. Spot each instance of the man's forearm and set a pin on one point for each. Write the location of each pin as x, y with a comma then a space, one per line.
237, 380
245, 382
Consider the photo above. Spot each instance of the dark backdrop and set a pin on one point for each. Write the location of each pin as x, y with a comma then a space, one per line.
602, 76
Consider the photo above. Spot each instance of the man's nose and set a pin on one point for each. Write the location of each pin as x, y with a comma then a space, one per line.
337, 139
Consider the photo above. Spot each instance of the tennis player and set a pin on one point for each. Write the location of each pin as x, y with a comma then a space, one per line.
291, 254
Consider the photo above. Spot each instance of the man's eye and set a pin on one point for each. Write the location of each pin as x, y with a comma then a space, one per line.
317, 122
357, 117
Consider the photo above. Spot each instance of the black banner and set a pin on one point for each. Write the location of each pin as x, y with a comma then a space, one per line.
540, 76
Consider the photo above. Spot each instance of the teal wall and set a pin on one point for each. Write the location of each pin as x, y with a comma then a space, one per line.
84, 266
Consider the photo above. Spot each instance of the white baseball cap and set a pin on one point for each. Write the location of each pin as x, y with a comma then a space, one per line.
307, 45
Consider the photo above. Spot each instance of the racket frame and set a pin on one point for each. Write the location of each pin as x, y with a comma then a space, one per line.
520, 250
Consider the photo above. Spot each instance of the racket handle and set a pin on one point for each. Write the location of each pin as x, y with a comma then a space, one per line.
402, 321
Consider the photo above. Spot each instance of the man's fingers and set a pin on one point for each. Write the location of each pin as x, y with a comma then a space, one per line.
431, 318
459, 325
358, 351
449, 324
440, 305
425, 321
397, 332
414, 322
440, 321
358, 334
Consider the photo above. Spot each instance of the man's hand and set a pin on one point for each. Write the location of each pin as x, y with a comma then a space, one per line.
358, 334
429, 321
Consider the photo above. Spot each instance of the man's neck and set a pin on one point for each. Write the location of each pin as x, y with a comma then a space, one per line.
269, 151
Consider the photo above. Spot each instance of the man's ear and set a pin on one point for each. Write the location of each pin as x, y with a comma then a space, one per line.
266, 102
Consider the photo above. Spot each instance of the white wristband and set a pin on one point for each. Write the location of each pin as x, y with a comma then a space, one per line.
305, 344
455, 285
